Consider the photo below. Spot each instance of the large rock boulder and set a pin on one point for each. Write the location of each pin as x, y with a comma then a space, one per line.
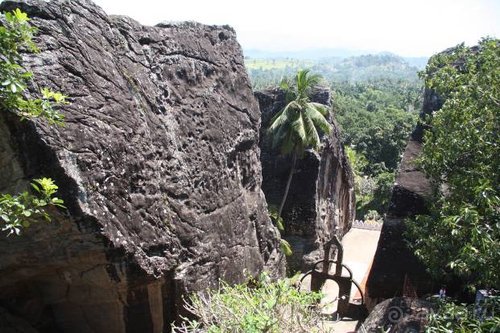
395, 267
398, 314
158, 164
321, 199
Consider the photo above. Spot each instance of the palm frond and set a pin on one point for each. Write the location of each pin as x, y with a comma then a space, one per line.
301, 83
299, 129
280, 134
311, 132
313, 80
317, 118
321, 108
297, 125
286, 247
286, 84
281, 117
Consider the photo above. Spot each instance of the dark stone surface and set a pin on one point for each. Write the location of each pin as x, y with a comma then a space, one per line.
12, 324
321, 198
393, 259
397, 315
158, 164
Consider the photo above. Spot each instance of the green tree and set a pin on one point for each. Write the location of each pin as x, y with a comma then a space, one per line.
375, 120
19, 211
298, 125
461, 156
373, 192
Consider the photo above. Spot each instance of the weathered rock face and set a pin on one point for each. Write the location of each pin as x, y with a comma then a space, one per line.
321, 199
158, 164
393, 261
398, 314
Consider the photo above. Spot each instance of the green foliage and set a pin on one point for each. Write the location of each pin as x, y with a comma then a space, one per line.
286, 247
17, 212
278, 221
376, 119
461, 156
373, 192
260, 306
265, 73
16, 35
297, 126
367, 68
461, 318
375, 98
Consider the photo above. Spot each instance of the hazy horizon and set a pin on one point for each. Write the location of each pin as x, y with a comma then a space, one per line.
407, 28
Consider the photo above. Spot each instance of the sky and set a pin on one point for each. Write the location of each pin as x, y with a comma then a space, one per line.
405, 27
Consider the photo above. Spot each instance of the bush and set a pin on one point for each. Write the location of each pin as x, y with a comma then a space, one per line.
451, 317
260, 306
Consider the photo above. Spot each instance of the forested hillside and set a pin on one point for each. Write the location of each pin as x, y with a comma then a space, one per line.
376, 100
266, 72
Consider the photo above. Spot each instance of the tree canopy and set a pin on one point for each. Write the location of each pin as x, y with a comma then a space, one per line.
297, 126
462, 158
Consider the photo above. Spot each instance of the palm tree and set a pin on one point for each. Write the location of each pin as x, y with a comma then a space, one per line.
296, 127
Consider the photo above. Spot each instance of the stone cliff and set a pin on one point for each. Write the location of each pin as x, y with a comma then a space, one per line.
321, 199
158, 163
395, 267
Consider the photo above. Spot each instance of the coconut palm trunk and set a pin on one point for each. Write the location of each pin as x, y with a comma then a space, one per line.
288, 182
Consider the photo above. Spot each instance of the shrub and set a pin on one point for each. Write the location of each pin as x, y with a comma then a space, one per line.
451, 317
260, 306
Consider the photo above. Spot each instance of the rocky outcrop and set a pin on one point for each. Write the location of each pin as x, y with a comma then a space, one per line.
158, 164
394, 263
398, 314
321, 199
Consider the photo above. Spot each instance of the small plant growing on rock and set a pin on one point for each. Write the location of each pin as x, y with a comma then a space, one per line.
278, 221
19, 211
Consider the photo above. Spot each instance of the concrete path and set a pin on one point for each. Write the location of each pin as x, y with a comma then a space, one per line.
359, 248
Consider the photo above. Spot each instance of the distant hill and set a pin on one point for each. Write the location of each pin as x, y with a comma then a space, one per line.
322, 54
309, 54
369, 67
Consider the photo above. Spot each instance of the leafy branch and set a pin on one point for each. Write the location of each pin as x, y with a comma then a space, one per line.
21, 210
15, 36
